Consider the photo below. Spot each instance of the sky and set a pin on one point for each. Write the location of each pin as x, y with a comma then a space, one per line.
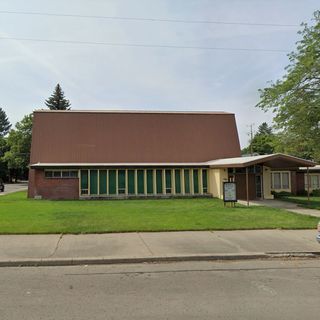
147, 78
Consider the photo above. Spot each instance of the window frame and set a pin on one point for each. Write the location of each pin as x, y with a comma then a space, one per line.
286, 187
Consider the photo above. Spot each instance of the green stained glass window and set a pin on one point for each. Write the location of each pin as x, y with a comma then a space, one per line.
196, 181
177, 174
168, 181
103, 181
205, 180
159, 181
187, 181
140, 181
93, 181
112, 182
121, 181
149, 181
131, 184
84, 181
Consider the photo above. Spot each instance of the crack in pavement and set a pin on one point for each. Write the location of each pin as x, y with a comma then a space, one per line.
228, 242
56, 247
148, 248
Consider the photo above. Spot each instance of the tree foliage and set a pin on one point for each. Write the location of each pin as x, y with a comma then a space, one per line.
57, 100
295, 99
4, 123
19, 144
263, 142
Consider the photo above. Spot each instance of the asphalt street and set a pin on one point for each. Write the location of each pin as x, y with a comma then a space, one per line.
185, 290
14, 187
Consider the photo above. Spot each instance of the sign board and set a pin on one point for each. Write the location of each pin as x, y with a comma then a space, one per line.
229, 192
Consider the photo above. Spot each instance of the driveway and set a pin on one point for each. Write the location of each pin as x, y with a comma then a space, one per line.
14, 187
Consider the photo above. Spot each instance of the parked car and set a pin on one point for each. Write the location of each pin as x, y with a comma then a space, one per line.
318, 236
1, 186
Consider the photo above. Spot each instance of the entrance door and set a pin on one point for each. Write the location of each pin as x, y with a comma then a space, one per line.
258, 181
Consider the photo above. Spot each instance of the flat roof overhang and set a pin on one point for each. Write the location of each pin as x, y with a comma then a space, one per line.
276, 161
122, 165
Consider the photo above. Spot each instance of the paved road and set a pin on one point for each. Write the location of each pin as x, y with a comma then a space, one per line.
198, 290
14, 187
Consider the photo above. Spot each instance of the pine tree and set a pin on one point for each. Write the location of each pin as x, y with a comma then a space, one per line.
4, 123
57, 101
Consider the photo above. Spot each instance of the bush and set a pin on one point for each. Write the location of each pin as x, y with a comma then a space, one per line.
316, 193
302, 193
281, 194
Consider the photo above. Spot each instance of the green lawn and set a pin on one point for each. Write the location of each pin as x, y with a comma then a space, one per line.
314, 202
21, 215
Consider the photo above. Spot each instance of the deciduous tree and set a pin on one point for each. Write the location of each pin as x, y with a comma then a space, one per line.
295, 99
19, 144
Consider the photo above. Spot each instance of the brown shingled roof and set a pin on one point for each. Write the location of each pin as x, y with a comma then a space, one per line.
132, 136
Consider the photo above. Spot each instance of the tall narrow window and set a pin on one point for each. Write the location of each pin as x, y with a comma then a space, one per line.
131, 184
187, 181
276, 180
103, 181
196, 181
168, 181
112, 182
314, 181
204, 181
93, 182
84, 182
285, 180
177, 174
149, 181
121, 181
159, 181
140, 181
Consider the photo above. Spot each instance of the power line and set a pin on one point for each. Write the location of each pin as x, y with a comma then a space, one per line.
148, 19
142, 45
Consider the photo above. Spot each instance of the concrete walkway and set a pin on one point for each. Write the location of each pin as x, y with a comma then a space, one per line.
289, 206
147, 247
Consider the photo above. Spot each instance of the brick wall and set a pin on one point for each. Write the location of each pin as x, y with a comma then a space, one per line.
294, 182
300, 182
54, 188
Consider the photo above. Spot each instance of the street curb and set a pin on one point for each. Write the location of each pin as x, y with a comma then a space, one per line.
106, 261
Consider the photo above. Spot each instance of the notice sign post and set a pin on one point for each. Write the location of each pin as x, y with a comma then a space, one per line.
229, 193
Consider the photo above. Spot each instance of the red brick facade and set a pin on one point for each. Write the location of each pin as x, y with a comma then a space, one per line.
52, 188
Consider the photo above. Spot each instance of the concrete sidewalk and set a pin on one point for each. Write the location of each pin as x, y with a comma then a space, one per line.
285, 205
148, 247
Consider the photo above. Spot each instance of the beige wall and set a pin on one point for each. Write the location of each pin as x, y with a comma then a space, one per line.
267, 183
215, 181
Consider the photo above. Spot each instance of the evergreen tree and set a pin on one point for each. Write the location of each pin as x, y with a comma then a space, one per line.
57, 101
4, 123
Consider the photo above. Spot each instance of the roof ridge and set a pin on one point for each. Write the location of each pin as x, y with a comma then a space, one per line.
132, 111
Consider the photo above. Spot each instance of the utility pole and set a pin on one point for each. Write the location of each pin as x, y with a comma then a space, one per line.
251, 137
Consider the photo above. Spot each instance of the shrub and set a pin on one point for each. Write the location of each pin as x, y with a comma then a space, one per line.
316, 193
302, 193
281, 194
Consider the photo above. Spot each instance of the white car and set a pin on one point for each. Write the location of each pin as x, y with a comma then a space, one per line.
318, 236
